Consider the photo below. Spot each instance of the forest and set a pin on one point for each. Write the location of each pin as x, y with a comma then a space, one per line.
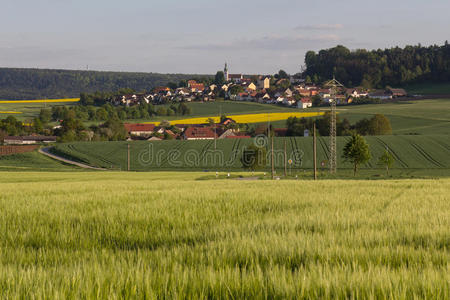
24, 84
380, 68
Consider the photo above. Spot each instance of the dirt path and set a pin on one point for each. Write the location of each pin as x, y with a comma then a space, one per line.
46, 152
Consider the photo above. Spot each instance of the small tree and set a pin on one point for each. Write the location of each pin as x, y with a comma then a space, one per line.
219, 78
254, 158
386, 160
356, 151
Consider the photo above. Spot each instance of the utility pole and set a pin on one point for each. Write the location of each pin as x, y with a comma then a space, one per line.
273, 165
315, 151
128, 156
285, 158
333, 84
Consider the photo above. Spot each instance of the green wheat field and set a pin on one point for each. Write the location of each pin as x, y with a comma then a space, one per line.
169, 235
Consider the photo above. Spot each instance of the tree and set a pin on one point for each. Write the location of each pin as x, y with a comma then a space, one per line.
387, 160
211, 121
161, 111
282, 75
379, 125
170, 112
254, 158
164, 124
220, 78
236, 89
356, 151
45, 115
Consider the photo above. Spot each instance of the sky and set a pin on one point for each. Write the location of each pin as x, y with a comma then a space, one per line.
199, 36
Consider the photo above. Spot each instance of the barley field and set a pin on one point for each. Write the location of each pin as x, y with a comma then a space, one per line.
122, 235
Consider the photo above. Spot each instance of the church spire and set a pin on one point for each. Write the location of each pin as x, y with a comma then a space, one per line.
225, 72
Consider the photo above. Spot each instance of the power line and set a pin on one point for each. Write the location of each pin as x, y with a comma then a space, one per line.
333, 84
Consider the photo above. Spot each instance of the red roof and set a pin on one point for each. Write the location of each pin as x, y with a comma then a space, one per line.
198, 86
238, 137
139, 127
199, 133
306, 100
161, 89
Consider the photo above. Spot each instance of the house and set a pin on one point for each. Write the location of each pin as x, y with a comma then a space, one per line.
182, 91
380, 94
199, 133
264, 82
397, 92
325, 93
243, 96
280, 131
28, 140
139, 129
251, 87
191, 82
226, 134
236, 78
289, 101
197, 87
161, 89
356, 93
288, 92
304, 92
305, 102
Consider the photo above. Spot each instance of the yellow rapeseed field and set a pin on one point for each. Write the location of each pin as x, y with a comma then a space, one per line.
10, 112
39, 101
248, 118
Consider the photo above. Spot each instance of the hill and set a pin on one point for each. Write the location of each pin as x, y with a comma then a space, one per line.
47, 83
380, 68
410, 152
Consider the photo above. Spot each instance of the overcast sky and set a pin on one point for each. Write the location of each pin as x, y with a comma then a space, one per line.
198, 36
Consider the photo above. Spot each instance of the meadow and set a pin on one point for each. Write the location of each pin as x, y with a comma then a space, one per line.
168, 235
25, 110
410, 152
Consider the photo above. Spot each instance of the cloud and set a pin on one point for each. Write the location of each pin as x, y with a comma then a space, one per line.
320, 27
272, 42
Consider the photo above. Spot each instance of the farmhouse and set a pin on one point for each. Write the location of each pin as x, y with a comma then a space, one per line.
397, 92
139, 129
29, 140
382, 95
199, 133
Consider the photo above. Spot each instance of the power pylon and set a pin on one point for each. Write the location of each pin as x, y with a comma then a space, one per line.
333, 85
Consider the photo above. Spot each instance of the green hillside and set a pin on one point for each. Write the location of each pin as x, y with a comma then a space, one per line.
48, 83
410, 152
33, 161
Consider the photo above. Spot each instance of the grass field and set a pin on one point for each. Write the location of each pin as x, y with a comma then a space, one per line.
410, 152
429, 89
26, 110
168, 235
32, 161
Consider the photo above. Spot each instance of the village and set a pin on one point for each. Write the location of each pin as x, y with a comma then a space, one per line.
280, 89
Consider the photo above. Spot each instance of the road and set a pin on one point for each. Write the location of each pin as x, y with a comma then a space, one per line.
46, 152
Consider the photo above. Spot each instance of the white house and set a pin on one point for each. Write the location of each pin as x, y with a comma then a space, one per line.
304, 103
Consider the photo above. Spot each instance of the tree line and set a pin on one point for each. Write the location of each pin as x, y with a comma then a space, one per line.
16, 83
379, 68
377, 125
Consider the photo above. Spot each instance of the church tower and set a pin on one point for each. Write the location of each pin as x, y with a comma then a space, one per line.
225, 73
